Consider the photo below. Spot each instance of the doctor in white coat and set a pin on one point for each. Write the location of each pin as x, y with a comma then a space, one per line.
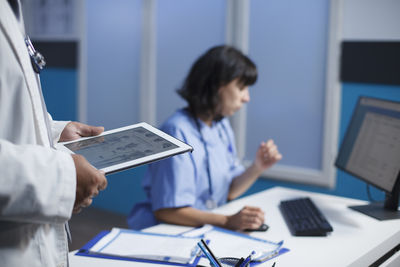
39, 186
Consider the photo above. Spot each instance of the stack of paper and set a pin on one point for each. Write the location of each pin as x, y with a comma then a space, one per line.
148, 246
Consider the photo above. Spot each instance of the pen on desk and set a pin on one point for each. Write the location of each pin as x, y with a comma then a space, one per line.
207, 251
211, 253
212, 262
248, 259
273, 265
239, 263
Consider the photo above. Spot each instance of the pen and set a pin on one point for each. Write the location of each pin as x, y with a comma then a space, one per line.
248, 259
206, 250
239, 263
273, 265
212, 262
211, 253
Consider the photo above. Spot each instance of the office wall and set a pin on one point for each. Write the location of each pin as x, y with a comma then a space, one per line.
111, 93
60, 77
346, 185
363, 22
371, 20
53, 29
179, 44
111, 48
185, 29
113, 74
182, 34
288, 41
60, 91
113, 30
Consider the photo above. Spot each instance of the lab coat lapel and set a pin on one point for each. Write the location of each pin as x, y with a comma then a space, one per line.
9, 25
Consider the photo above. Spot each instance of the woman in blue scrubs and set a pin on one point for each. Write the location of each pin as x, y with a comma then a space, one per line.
185, 188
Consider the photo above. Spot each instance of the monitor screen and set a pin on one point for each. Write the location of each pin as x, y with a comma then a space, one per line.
371, 147
370, 151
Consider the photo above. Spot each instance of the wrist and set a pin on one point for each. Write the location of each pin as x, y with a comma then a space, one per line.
226, 222
257, 169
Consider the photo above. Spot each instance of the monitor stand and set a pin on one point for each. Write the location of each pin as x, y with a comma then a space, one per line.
383, 211
377, 211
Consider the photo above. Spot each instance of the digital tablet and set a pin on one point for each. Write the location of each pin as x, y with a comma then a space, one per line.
126, 147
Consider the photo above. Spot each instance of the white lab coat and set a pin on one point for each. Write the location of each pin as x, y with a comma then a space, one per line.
37, 183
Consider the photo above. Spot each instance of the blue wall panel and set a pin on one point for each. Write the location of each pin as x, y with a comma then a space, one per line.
114, 45
60, 93
288, 44
123, 191
185, 30
113, 69
59, 90
346, 185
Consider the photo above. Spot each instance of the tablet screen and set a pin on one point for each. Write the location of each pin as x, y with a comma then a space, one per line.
127, 148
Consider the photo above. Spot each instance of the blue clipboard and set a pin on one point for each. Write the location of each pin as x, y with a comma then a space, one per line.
85, 251
273, 255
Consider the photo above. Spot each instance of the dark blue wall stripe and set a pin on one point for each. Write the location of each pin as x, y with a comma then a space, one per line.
370, 62
60, 92
61, 54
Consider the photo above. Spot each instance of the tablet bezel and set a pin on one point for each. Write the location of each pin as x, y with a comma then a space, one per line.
182, 147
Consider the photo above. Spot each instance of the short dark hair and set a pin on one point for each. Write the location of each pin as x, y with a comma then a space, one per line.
217, 67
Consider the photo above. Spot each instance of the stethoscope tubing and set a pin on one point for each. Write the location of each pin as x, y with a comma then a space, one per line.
207, 155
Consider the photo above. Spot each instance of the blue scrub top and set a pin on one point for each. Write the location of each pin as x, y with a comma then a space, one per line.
182, 180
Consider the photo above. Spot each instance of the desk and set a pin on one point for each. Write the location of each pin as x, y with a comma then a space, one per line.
357, 240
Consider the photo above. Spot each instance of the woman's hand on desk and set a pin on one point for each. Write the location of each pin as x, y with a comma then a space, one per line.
246, 218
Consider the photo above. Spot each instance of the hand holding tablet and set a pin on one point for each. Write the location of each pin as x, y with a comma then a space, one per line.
126, 147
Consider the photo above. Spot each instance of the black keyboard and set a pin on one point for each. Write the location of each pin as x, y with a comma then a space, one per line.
303, 218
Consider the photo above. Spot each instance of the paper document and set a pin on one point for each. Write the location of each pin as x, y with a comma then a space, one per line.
150, 246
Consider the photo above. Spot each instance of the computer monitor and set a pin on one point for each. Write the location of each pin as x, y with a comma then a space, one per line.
370, 151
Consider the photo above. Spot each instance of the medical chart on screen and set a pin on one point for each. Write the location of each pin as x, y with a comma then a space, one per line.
376, 149
120, 147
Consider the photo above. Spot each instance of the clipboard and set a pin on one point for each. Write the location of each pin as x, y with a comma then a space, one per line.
86, 251
211, 232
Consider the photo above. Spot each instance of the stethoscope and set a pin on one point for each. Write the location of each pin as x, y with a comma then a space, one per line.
37, 59
38, 64
210, 202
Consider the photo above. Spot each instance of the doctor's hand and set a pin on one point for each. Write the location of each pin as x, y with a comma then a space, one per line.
246, 218
89, 181
75, 130
267, 155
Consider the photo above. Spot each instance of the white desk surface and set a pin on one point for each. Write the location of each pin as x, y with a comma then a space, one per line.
356, 240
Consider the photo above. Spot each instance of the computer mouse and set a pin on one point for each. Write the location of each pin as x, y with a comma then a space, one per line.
262, 228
